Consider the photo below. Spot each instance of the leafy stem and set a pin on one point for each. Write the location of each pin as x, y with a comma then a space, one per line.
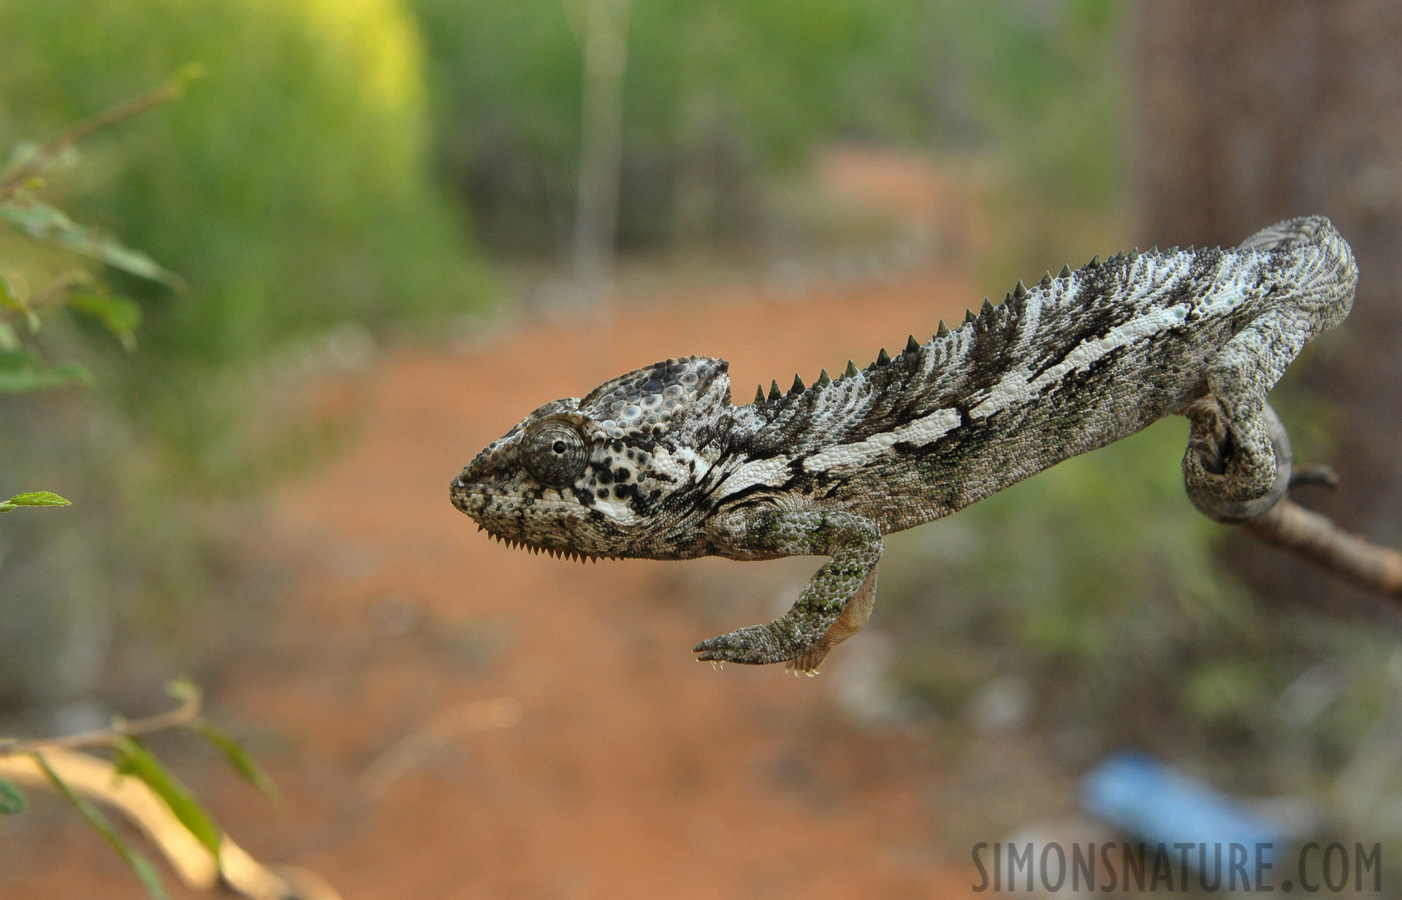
47, 152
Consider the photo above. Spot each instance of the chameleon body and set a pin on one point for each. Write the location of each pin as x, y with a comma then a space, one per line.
659, 464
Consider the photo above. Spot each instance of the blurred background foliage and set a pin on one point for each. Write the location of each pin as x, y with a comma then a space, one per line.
290, 189
333, 176
720, 97
288, 186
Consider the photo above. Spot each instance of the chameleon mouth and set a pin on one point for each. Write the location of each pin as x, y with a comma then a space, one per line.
474, 503
464, 498
517, 544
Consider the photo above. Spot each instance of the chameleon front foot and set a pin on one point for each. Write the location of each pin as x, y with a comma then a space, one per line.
808, 663
754, 645
801, 639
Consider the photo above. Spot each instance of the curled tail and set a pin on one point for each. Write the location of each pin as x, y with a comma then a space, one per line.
1238, 461
1327, 273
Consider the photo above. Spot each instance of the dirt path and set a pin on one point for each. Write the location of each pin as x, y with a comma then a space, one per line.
614, 765
634, 771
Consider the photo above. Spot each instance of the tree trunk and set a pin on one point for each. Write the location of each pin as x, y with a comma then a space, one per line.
1256, 110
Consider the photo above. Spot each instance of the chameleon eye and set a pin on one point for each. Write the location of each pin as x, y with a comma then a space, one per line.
553, 452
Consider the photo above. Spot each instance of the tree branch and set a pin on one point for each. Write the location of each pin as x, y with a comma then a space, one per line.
233, 871
1315, 537
188, 711
1283, 522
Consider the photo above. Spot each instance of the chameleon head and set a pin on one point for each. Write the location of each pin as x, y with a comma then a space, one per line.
613, 474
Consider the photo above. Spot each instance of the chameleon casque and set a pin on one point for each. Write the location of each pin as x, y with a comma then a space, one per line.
659, 464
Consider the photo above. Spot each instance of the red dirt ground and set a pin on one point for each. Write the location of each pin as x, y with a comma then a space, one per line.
625, 768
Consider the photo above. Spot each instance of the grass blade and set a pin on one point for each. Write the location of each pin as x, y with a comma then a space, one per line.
138, 863
238, 758
11, 800
134, 759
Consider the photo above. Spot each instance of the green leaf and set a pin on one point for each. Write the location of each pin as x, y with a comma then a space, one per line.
134, 759
238, 758
117, 314
48, 223
38, 498
121, 257
11, 800
11, 301
138, 863
21, 371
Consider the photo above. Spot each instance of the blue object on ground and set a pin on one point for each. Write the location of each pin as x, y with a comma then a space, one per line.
1159, 805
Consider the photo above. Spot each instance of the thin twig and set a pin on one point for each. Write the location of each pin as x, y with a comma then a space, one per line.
56, 288
112, 115
1316, 537
186, 712
432, 736
1284, 522
1324, 476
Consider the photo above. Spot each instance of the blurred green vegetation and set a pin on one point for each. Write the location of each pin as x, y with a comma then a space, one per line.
1039, 90
290, 187
715, 95
720, 96
1040, 83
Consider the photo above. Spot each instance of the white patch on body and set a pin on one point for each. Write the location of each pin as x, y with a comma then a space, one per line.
922, 431
1227, 295
1015, 388
772, 472
673, 463
616, 509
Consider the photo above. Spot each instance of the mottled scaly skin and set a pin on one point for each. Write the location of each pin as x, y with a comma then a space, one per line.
658, 463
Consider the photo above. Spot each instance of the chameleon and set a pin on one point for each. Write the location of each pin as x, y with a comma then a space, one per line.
658, 463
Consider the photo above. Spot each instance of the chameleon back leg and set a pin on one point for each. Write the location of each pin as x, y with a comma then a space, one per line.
1210, 446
